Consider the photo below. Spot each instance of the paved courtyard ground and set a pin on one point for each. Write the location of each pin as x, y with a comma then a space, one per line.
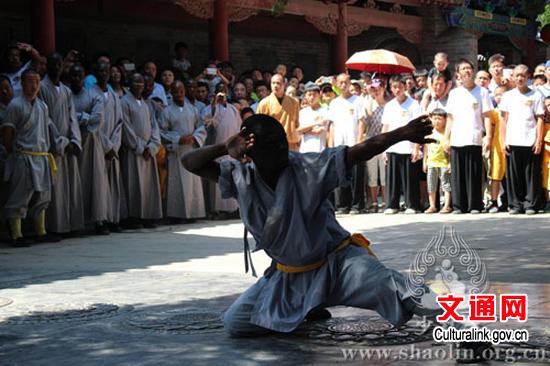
153, 297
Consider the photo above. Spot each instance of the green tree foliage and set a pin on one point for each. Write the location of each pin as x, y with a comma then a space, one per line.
544, 18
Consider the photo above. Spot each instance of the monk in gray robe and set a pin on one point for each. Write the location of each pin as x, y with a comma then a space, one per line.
89, 107
141, 139
29, 166
224, 120
6, 95
111, 134
65, 212
283, 200
182, 130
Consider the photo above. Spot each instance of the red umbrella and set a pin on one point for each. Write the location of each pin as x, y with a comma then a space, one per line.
382, 61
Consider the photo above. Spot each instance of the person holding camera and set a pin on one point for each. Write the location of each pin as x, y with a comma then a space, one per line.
212, 76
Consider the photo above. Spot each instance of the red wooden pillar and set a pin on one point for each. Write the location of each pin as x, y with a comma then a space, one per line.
340, 47
219, 31
43, 25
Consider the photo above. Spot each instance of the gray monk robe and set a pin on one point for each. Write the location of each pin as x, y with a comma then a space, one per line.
140, 176
111, 135
89, 106
225, 123
184, 195
29, 175
3, 157
295, 225
65, 212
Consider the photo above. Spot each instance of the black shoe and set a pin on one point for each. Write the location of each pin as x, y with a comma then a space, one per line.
503, 208
131, 224
21, 242
114, 228
101, 229
48, 238
319, 314
149, 224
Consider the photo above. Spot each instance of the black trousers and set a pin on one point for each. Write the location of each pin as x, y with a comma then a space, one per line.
523, 178
466, 176
353, 196
402, 176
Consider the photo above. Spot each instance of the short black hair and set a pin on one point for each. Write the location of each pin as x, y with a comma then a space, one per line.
266, 129
201, 84
28, 72
397, 79
540, 77
259, 83
246, 110
4, 77
439, 112
463, 61
179, 45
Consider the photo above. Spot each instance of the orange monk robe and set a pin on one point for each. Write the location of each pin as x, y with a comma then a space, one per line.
546, 158
162, 166
286, 113
498, 156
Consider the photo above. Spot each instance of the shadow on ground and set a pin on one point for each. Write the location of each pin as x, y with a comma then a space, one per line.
514, 250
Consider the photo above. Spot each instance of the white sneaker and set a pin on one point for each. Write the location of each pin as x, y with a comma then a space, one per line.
390, 211
410, 211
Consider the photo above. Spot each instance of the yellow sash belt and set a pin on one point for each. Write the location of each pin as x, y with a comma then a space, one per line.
356, 239
50, 157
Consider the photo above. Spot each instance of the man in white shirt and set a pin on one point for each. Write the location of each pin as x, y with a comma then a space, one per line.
468, 110
314, 121
522, 132
348, 116
402, 170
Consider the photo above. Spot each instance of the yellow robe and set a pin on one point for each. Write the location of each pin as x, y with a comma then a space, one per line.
546, 158
286, 113
498, 157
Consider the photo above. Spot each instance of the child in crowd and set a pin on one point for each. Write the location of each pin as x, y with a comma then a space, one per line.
496, 156
436, 163
441, 63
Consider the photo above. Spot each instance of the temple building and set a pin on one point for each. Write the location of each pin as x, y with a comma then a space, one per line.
317, 35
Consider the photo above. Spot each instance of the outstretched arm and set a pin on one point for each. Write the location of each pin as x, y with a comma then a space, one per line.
202, 161
415, 131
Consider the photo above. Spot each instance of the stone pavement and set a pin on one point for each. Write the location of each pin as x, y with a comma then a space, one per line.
153, 297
